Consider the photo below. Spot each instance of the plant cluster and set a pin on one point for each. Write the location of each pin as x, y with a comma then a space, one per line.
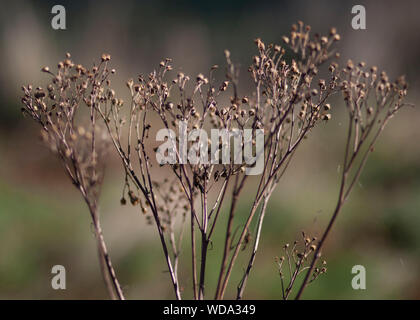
288, 100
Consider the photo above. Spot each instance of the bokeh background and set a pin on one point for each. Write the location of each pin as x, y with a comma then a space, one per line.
44, 222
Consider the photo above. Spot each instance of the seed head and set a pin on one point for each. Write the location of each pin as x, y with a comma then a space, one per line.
105, 57
326, 117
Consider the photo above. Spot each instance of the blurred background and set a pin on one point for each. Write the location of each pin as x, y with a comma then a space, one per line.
44, 222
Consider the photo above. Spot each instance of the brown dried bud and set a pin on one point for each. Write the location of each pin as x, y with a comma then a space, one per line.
133, 198
105, 57
326, 117
260, 44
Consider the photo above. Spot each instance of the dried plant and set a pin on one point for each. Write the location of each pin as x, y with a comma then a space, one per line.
285, 103
296, 259
371, 101
79, 143
289, 99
